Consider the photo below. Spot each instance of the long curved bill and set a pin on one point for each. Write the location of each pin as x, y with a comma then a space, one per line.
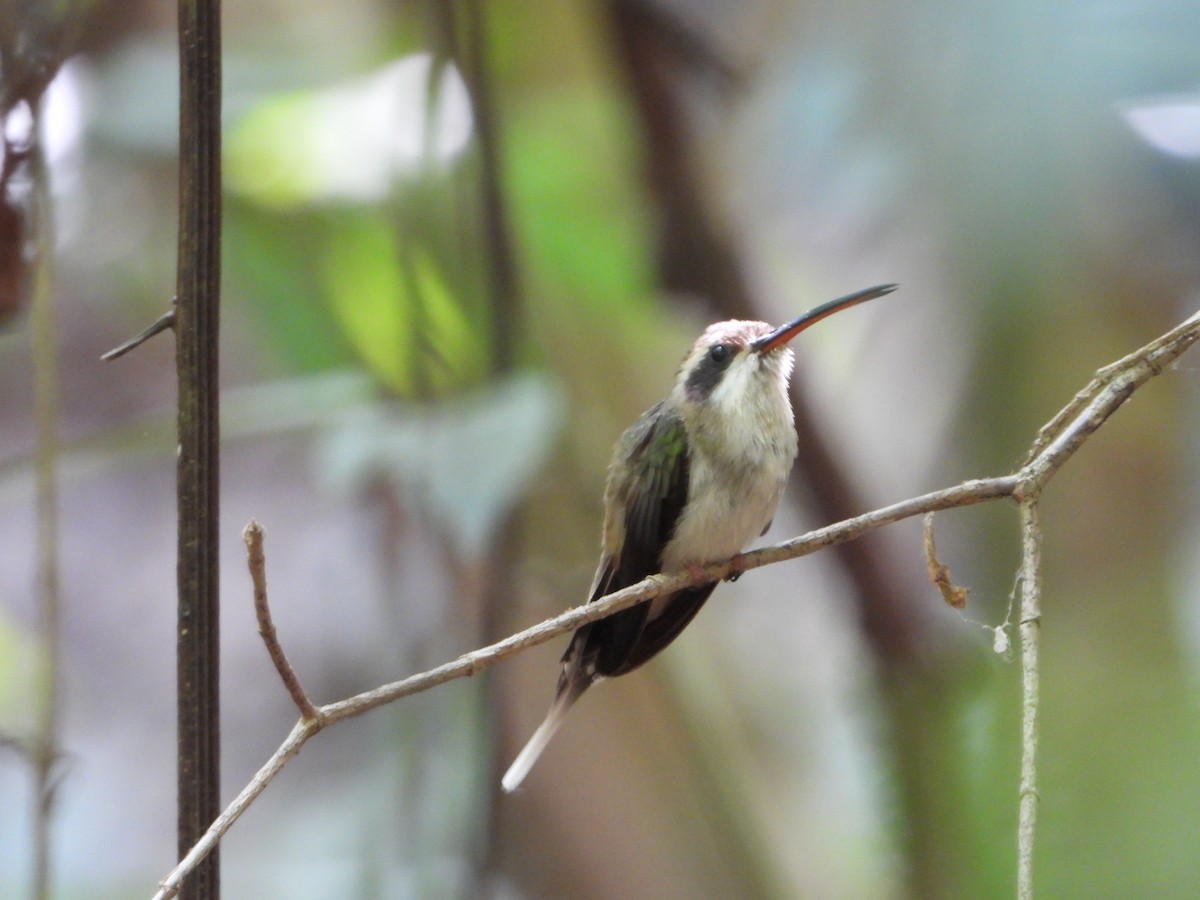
786, 332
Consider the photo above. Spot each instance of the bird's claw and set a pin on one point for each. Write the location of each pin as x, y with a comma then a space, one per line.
736, 563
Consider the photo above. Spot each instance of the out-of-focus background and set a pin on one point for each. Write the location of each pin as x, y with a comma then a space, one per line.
466, 243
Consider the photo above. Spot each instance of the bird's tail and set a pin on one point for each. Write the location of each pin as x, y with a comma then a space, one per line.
566, 698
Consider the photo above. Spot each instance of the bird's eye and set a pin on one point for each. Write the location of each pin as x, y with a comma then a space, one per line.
719, 353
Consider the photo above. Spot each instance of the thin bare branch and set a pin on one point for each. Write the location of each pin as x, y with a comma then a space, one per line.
252, 534
303, 730
476, 661
1072, 429
1030, 630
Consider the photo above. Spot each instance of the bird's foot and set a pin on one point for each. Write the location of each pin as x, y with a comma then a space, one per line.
735, 565
698, 574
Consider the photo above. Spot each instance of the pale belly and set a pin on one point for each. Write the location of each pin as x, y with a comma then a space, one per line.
723, 515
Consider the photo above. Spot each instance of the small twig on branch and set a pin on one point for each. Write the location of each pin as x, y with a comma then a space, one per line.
1055, 445
162, 323
252, 534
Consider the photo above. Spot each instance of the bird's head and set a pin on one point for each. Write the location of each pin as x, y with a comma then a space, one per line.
737, 362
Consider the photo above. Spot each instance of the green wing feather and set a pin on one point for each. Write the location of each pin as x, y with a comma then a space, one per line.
649, 481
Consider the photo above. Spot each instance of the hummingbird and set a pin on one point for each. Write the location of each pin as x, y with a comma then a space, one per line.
692, 481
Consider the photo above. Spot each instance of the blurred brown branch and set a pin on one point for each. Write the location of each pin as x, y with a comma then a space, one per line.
1055, 444
45, 745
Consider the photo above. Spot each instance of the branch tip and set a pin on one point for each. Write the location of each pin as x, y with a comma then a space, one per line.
252, 534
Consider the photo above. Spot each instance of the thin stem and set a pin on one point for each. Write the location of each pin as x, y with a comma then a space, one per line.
1030, 630
45, 742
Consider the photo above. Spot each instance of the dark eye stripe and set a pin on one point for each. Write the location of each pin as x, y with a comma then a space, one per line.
704, 378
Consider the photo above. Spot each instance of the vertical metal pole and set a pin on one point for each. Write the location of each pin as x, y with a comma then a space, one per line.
198, 292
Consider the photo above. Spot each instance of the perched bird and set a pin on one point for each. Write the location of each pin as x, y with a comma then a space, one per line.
692, 481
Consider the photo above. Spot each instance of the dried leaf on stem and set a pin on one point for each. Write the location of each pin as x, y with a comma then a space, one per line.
939, 573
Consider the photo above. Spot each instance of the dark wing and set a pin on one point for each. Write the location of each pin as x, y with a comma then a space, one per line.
665, 627
652, 487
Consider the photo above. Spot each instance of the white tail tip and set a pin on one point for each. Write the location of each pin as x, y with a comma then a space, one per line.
529, 755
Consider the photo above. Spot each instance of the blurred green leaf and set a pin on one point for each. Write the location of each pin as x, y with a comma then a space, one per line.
20, 655
269, 261
572, 171
408, 327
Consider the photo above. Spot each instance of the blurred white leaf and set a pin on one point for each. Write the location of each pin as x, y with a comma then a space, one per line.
465, 462
350, 142
1170, 124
